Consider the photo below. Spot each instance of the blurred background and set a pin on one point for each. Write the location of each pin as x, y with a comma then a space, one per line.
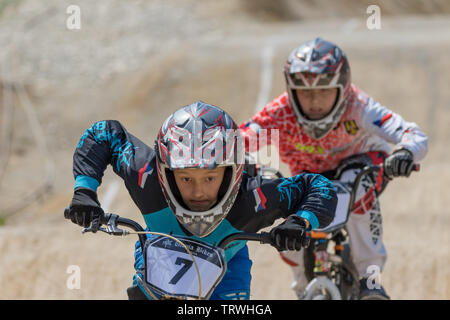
138, 61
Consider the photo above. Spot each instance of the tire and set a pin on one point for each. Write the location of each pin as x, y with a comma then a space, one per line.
349, 287
314, 290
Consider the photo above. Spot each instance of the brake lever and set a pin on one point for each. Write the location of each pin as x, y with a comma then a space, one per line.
90, 229
111, 227
94, 227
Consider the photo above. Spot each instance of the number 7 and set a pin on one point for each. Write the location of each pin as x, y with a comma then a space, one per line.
186, 265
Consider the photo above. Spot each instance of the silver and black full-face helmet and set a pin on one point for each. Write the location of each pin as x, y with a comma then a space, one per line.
201, 136
318, 64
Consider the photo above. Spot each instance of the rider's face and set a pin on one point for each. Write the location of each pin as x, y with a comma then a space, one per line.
317, 103
199, 187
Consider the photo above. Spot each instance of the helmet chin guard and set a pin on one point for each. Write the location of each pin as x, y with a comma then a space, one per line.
199, 223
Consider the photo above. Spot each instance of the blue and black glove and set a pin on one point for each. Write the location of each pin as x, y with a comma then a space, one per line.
291, 234
85, 208
399, 164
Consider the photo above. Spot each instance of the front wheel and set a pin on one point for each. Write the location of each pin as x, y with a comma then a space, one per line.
349, 282
321, 288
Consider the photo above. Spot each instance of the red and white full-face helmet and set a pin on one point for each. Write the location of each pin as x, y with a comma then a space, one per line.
200, 136
318, 64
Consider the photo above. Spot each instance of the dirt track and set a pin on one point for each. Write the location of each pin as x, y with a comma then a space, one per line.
404, 66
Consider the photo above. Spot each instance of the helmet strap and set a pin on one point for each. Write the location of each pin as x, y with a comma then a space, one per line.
228, 174
174, 188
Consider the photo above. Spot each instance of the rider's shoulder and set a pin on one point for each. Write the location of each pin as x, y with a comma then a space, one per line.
250, 183
356, 97
358, 104
107, 124
279, 103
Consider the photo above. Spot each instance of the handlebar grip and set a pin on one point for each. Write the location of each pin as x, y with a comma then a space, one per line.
265, 238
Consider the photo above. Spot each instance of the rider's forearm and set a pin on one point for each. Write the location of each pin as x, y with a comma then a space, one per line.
91, 157
312, 197
415, 141
392, 128
108, 142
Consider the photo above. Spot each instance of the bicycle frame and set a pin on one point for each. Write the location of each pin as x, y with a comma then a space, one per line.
333, 276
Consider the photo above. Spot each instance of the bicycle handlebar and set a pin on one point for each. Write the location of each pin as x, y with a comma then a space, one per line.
262, 237
112, 221
365, 170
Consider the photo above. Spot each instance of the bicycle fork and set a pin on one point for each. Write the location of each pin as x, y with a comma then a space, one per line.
321, 286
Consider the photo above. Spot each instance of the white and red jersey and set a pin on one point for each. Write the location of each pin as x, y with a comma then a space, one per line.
365, 126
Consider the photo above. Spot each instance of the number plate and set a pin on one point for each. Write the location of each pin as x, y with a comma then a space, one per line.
341, 215
171, 270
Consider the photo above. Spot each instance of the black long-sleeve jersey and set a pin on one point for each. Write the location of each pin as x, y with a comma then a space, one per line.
259, 202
